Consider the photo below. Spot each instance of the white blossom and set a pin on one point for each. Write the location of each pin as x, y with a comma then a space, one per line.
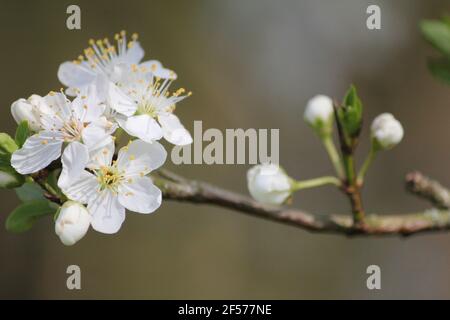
145, 108
268, 183
109, 187
103, 60
72, 223
63, 122
387, 131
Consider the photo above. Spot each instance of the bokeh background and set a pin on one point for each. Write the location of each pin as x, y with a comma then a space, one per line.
250, 64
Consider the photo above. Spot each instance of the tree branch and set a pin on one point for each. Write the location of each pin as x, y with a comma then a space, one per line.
429, 189
177, 188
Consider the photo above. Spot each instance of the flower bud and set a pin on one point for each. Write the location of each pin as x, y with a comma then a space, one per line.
268, 183
386, 131
10, 179
29, 110
319, 112
72, 223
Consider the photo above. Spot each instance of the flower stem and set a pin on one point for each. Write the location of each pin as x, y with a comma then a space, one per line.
317, 182
366, 165
349, 168
333, 154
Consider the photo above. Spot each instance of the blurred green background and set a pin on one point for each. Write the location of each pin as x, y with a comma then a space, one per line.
250, 64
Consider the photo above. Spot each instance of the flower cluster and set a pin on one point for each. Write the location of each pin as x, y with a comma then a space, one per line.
270, 184
111, 91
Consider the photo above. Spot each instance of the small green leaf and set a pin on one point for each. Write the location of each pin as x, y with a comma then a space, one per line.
22, 133
437, 34
350, 114
7, 144
9, 178
440, 68
5, 160
30, 191
23, 217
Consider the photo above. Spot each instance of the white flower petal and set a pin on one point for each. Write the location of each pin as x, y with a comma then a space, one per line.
144, 127
134, 54
84, 189
75, 75
74, 159
140, 195
38, 152
107, 213
173, 130
119, 101
87, 108
58, 104
97, 131
101, 154
140, 158
157, 69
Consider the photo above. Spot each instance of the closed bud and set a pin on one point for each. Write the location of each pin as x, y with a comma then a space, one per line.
29, 109
319, 113
10, 179
268, 183
72, 223
386, 131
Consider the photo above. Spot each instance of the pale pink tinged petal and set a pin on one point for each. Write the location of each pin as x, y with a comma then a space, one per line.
144, 127
173, 130
83, 189
38, 152
107, 213
140, 195
134, 54
75, 75
74, 159
139, 158
120, 102
101, 154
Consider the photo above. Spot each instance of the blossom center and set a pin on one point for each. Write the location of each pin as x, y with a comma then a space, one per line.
145, 107
72, 130
109, 178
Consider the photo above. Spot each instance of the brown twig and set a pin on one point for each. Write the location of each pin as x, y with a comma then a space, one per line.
429, 189
180, 189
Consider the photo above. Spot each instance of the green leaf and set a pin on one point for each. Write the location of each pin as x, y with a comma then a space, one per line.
5, 160
23, 217
7, 144
30, 191
440, 68
437, 34
22, 133
350, 114
9, 178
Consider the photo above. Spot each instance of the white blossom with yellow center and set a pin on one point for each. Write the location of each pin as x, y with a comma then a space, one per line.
109, 187
145, 107
104, 60
64, 121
